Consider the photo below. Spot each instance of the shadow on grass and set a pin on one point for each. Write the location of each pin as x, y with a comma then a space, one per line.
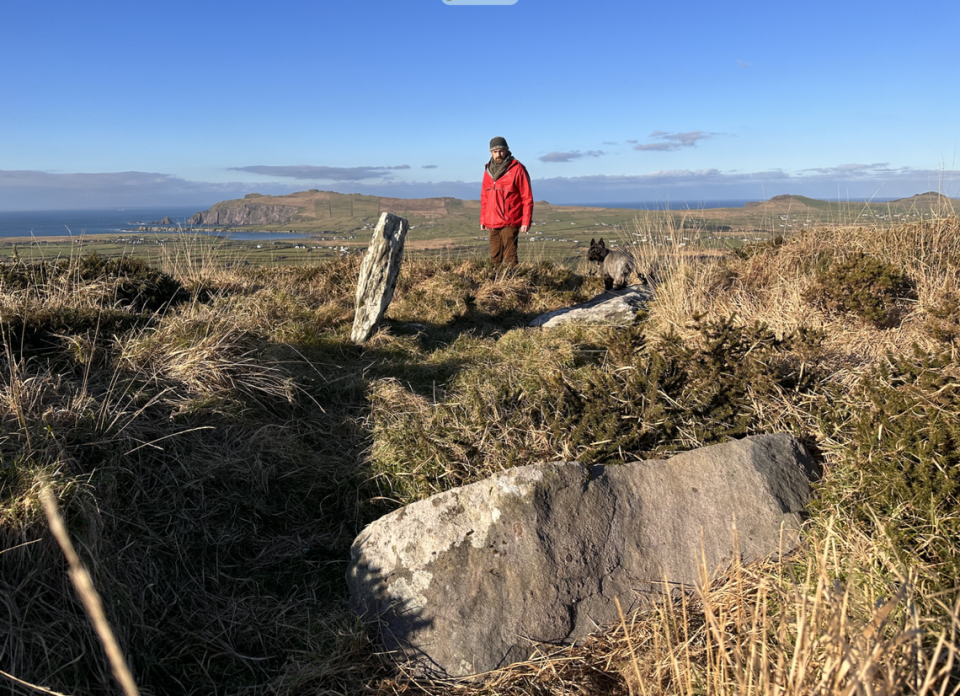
217, 512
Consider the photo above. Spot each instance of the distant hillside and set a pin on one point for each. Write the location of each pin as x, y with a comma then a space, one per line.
925, 200
445, 222
788, 202
331, 208
791, 202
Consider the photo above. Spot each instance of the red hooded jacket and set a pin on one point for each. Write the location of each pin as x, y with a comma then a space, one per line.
508, 201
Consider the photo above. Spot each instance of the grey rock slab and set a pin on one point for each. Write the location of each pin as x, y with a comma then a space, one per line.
616, 307
378, 275
463, 581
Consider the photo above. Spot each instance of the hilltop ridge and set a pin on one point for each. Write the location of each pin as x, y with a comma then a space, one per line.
323, 211
330, 207
928, 198
787, 200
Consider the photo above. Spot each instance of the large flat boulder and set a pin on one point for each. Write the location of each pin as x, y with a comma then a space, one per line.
614, 307
463, 581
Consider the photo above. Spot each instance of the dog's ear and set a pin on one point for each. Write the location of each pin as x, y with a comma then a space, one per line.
600, 243
593, 242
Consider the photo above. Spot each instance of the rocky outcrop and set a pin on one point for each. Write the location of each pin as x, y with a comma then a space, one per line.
244, 214
378, 275
614, 307
462, 582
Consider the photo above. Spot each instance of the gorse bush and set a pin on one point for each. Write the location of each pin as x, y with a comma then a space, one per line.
672, 395
621, 395
862, 285
902, 457
943, 322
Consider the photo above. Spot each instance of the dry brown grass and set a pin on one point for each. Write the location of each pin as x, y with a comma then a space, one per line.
209, 462
215, 459
769, 286
205, 353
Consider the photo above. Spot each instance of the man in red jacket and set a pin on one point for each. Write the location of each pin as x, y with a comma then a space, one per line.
506, 202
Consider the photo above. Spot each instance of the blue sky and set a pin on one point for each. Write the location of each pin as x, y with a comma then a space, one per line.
187, 103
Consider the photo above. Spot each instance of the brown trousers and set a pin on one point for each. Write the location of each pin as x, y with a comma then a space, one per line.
503, 244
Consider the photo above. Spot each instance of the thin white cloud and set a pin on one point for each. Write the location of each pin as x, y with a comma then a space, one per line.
570, 156
674, 141
322, 173
609, 142
848, 170
658, 147
743, 64
429, 166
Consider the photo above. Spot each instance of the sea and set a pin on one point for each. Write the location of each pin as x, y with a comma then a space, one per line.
118, 221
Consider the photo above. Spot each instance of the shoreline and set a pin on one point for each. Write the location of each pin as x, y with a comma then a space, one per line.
111, 237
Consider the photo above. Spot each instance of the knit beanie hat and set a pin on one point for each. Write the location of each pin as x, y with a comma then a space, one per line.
499, 143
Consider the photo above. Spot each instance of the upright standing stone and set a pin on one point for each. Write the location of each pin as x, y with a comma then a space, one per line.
378, 275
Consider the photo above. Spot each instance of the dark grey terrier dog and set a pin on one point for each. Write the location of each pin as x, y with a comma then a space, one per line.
617, 266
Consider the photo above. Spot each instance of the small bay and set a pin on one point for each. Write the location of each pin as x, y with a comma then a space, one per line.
118, 221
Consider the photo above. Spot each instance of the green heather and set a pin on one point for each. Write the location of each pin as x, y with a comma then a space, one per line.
215, 442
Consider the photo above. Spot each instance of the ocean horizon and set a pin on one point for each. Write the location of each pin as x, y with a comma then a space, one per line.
57, 223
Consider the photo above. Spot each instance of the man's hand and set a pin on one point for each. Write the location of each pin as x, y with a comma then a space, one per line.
524, 229
482, 227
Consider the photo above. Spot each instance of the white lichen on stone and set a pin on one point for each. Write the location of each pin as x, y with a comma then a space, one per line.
411, 589
435, 525
519, 481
